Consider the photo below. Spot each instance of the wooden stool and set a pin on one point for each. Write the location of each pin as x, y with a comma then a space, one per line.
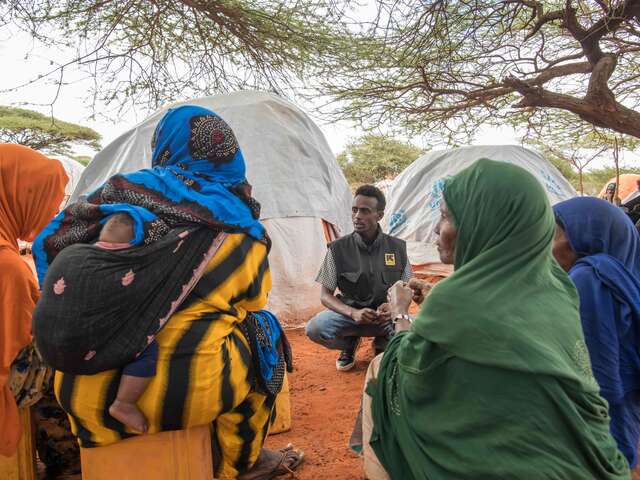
177, 455
21, 466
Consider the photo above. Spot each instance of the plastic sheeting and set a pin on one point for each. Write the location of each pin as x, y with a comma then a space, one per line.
74, 170
289, 163
415, 196
299, 247
385, 186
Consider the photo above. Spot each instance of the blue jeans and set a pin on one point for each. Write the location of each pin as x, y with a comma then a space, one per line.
338, 332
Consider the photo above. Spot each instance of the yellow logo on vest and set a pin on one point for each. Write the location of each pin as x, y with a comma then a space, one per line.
390, 259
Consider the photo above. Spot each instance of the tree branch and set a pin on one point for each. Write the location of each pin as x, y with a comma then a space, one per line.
620, 118
598, 92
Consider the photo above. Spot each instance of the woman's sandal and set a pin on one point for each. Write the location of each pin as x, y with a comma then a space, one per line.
282, 468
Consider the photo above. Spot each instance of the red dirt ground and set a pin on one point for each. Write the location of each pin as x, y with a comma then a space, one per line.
324, 405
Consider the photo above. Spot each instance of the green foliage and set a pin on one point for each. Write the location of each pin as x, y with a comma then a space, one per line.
150, 53
574, 146
372, 158
40, 132
560, 130
592, 180
443, 68
596, 179
82, 159
565, 169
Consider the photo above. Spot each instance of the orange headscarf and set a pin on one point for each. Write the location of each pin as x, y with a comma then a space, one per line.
31, 190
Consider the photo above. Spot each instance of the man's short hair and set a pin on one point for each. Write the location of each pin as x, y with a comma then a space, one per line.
372, 191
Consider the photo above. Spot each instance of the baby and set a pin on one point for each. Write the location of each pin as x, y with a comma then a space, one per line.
116, 234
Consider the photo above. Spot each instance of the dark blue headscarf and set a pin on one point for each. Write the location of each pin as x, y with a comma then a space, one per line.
607, 277
197, 177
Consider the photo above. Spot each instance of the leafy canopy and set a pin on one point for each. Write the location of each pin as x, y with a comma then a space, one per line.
575, 147
372, 158
41, 132
143, 53
439, 67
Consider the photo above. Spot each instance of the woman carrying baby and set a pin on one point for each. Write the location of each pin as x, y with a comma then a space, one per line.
192, 267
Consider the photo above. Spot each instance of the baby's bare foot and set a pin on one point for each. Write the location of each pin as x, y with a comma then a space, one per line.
129, 414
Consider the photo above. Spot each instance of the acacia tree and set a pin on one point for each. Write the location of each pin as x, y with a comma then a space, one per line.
151, 52
452, 65
574, 146
372, 158
569, 159
41, 132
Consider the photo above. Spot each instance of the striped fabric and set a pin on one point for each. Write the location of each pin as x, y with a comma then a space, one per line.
204, 372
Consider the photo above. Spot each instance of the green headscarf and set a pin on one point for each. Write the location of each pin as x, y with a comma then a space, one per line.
494, 380
508, 304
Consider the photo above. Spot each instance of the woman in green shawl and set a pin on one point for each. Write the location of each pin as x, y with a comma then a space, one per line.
492, 380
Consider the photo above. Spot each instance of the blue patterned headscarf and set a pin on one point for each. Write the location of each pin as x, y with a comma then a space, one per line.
197, 177
195, 139
196, 158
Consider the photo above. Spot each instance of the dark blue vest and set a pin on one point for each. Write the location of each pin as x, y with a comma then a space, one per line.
365, 272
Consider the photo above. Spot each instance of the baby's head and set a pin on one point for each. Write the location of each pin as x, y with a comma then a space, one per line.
118, 229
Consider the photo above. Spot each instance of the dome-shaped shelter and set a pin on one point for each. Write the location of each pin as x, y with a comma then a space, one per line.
414, 199
74, 170
305, 198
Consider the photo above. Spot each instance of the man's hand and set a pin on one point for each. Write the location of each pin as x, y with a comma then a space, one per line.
365, 315
384, 313
420, 289
399, 296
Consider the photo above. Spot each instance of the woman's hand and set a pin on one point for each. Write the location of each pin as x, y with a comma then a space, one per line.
420, 289
399, 296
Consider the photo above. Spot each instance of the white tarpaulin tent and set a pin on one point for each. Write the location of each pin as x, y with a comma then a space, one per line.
414, 199
294, 175
385, 186
74, 170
